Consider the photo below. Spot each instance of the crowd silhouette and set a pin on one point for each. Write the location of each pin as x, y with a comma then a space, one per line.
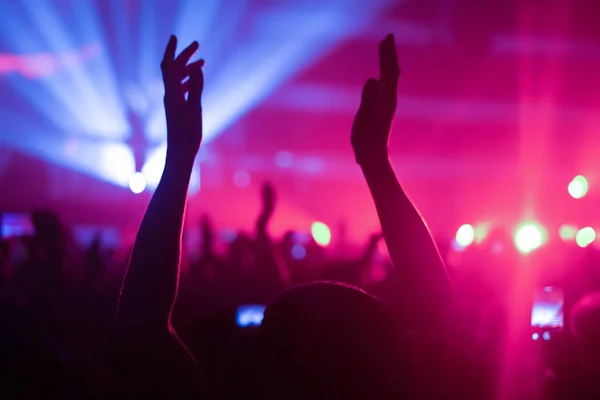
152, 323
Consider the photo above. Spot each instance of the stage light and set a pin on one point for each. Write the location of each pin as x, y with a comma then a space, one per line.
528, 238
585, 236
578, 187
76, 63
567, 232
137, 183
321, 233
535, 336
241, 178
116, 162
465, 235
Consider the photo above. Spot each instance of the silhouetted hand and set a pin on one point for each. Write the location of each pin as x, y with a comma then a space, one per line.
373, 120
184, 116
268, 198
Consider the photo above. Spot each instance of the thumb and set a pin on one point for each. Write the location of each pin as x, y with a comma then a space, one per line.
367, 103
369, 95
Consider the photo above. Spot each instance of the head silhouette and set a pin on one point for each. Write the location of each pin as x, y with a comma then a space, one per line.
585, 324
328, 340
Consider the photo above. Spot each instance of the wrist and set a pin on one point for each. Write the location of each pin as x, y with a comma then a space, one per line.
373, 161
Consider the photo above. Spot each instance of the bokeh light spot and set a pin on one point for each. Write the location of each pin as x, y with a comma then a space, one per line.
465, 235
137, 183
298, 252
567, 232
284, 159
321, 233
585, 236
578, 187
528, 238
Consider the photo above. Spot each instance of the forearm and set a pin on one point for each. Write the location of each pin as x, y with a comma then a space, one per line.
418, 265
150, 283
268, 256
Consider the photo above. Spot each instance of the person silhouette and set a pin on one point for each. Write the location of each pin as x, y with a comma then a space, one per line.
321, 340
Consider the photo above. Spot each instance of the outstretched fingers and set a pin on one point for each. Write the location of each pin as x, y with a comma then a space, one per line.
169, 55
166, 65
175, 70
184, 57
191, 67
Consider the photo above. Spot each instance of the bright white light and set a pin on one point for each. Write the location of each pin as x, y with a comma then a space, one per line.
137, 183
585, 236
117, 163
547, 336
528, 238
535, 336
465, 235
578, 187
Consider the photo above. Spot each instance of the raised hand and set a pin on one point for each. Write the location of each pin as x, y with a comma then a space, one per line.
373, 120
273, 266
153, 362
184, 116
268, 199
420, 272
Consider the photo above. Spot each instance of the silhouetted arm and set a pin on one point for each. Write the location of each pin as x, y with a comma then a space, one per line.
273, 264
150, 284
419, 269
150, 357
418, 266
